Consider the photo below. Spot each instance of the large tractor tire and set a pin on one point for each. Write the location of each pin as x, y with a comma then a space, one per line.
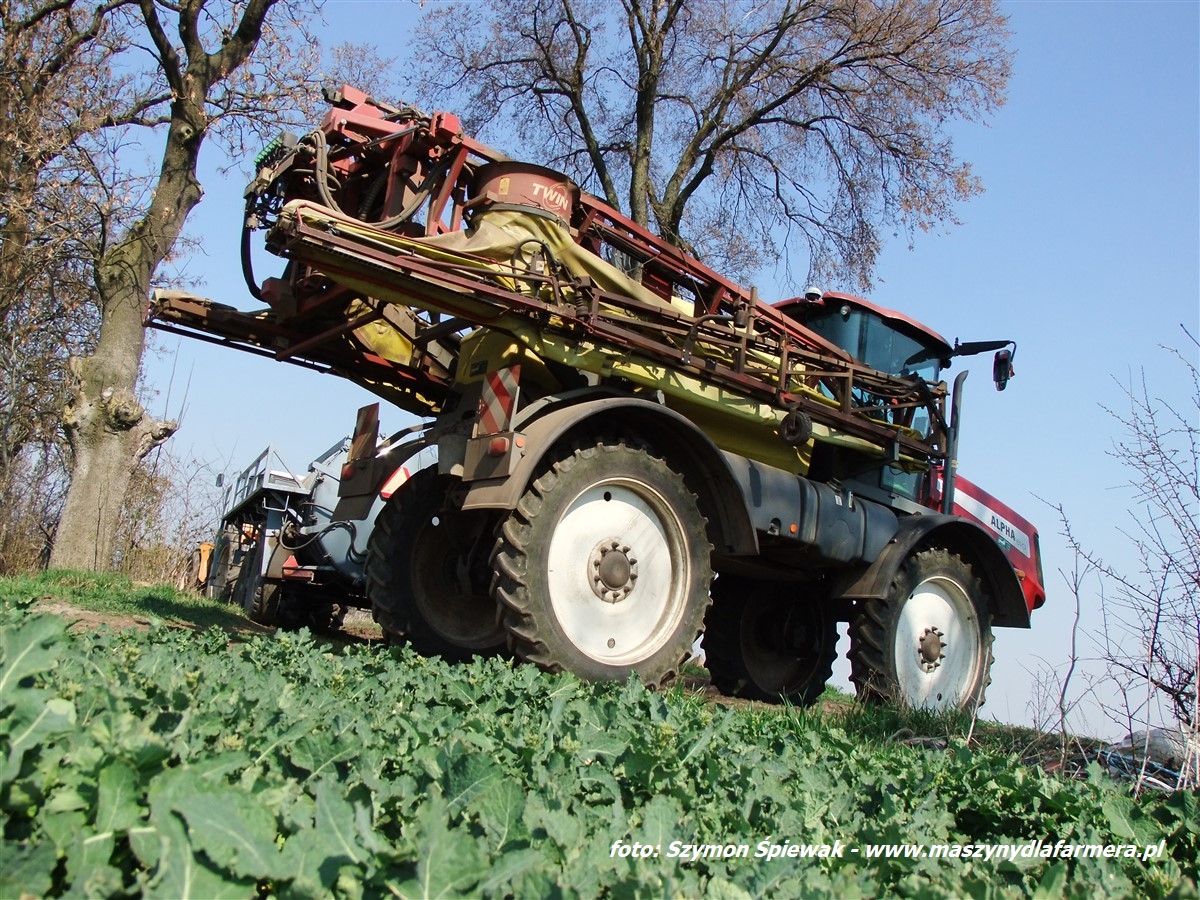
292, 606
428, 575
262, 606
603, 567
222, 581
259, 599
928, 645
764, 642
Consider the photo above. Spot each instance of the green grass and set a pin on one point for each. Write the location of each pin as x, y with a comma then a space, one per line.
113, 594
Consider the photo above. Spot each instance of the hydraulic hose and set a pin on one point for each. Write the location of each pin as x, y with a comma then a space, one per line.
321, 171
321, 177
247, 260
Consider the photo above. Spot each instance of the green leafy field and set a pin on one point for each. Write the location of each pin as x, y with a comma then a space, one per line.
173, 764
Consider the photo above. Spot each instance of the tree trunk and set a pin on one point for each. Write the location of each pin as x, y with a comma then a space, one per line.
109, 434
106, 426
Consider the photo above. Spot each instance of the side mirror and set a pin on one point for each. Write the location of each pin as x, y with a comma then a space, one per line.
1002, 368
220, 479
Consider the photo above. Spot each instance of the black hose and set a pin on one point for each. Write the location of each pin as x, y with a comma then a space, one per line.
372, 194
313, 538
419, 198
247, 260
321, 168
322, 177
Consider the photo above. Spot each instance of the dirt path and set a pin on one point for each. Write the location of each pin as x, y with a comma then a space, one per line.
357, 628
82, 620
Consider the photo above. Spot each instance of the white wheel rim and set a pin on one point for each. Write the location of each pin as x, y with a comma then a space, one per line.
938, 646
632, 615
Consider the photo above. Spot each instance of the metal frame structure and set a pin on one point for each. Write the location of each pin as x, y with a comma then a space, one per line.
407, 176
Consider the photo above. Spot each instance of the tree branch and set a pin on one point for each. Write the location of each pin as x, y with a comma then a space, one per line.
165, 52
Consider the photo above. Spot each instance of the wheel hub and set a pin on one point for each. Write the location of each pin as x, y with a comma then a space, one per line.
612, 570
932, 649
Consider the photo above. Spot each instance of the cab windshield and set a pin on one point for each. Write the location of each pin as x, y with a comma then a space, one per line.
873, 342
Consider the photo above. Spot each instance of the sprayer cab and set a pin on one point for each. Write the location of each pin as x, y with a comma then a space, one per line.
888, 340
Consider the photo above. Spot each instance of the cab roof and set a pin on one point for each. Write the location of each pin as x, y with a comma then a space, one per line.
796, 307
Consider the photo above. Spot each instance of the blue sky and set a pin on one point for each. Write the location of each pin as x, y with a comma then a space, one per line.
1085, 249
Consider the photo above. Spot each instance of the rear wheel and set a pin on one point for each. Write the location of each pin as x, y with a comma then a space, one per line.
428, 575
263, 606
224, 573
763, 642
929, 644
301, 606
190, 579
603, 567
258, 598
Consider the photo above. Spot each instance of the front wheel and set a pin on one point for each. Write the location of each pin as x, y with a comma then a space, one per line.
763, 642
929, 644
603, 568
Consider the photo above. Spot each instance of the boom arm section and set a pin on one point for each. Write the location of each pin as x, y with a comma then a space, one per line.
401, 235
418, 382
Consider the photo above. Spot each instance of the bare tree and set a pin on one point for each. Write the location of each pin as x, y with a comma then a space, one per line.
1150, 640
201, 80
59, 200
173, 503
83, 230
50, 64
737, 129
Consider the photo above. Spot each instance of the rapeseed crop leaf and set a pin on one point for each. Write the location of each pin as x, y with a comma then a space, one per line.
26, 648
27, 868
466, 775
168, 764
449, 862
500, 807
232, 829
1127, 820
117, 807
34, 716
182, 874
